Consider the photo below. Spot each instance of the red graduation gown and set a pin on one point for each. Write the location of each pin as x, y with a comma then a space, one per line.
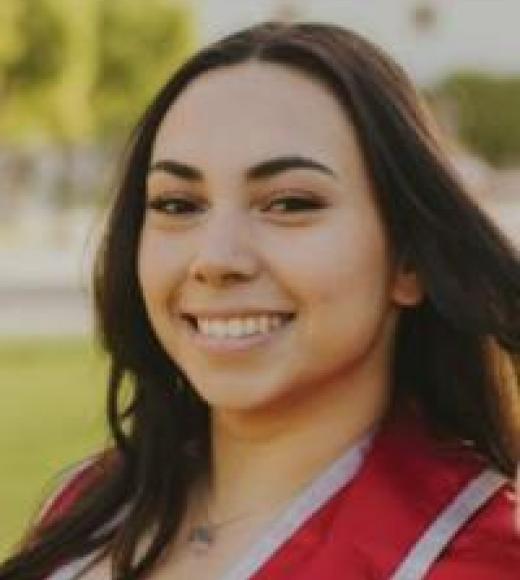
407, 478
365, 530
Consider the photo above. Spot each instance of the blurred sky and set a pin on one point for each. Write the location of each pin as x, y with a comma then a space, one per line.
478, 34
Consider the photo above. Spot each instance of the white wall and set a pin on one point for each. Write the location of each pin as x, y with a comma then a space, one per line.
478, 34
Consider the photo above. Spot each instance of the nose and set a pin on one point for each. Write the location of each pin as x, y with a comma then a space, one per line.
225, 253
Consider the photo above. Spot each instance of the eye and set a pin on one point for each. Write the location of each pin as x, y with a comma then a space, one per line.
172, 205
296, 204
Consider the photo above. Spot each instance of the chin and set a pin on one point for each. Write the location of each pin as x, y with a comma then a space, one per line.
237, 402
250, 402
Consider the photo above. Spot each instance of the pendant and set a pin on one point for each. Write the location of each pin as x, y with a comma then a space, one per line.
201, 539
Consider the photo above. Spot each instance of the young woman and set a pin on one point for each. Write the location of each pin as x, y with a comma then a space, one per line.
319, 328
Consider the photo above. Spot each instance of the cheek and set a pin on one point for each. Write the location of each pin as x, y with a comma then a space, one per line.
146, 267
349, 308
156, 269
339, 266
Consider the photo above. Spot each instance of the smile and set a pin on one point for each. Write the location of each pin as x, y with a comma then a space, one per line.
235, 333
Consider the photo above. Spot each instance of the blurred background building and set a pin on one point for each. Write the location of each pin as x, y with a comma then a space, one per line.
75, 74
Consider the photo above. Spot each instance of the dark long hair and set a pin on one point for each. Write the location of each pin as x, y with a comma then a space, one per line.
456, 354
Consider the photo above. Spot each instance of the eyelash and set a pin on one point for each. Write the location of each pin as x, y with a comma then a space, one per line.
160, 204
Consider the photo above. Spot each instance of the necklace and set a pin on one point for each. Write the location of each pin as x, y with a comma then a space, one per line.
203, 536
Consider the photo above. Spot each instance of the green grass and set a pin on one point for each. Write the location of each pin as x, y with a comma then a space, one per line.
52, 397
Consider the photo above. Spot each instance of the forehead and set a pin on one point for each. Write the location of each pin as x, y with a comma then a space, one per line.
247, 112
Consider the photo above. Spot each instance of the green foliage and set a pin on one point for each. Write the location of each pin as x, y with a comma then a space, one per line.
487, 111
11, 42
42, 33
75, 70
138, 50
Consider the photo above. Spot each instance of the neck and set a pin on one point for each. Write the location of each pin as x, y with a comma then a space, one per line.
265, 456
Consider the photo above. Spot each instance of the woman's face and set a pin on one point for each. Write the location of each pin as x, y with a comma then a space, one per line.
259, 204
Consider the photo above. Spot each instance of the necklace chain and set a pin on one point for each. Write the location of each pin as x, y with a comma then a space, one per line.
203, 536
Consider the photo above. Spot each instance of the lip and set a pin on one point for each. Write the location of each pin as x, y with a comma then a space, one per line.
230, 345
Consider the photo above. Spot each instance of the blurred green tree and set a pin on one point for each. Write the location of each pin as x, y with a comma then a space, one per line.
10, 39
139, 46
74, 71
486, 114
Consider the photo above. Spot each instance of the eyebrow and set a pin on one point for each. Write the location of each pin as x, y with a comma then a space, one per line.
262, 170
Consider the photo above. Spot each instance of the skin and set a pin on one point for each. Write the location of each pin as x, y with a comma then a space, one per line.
289, 407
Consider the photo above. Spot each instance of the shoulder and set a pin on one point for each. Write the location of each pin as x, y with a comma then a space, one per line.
75, 482
487, 548
408, 481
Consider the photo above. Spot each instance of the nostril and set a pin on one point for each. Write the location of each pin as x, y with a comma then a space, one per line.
287, 317
191, 319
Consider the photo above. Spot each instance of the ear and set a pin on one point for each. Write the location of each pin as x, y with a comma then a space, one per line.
407, 288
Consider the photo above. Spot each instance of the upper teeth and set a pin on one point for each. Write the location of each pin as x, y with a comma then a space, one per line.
236, 327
